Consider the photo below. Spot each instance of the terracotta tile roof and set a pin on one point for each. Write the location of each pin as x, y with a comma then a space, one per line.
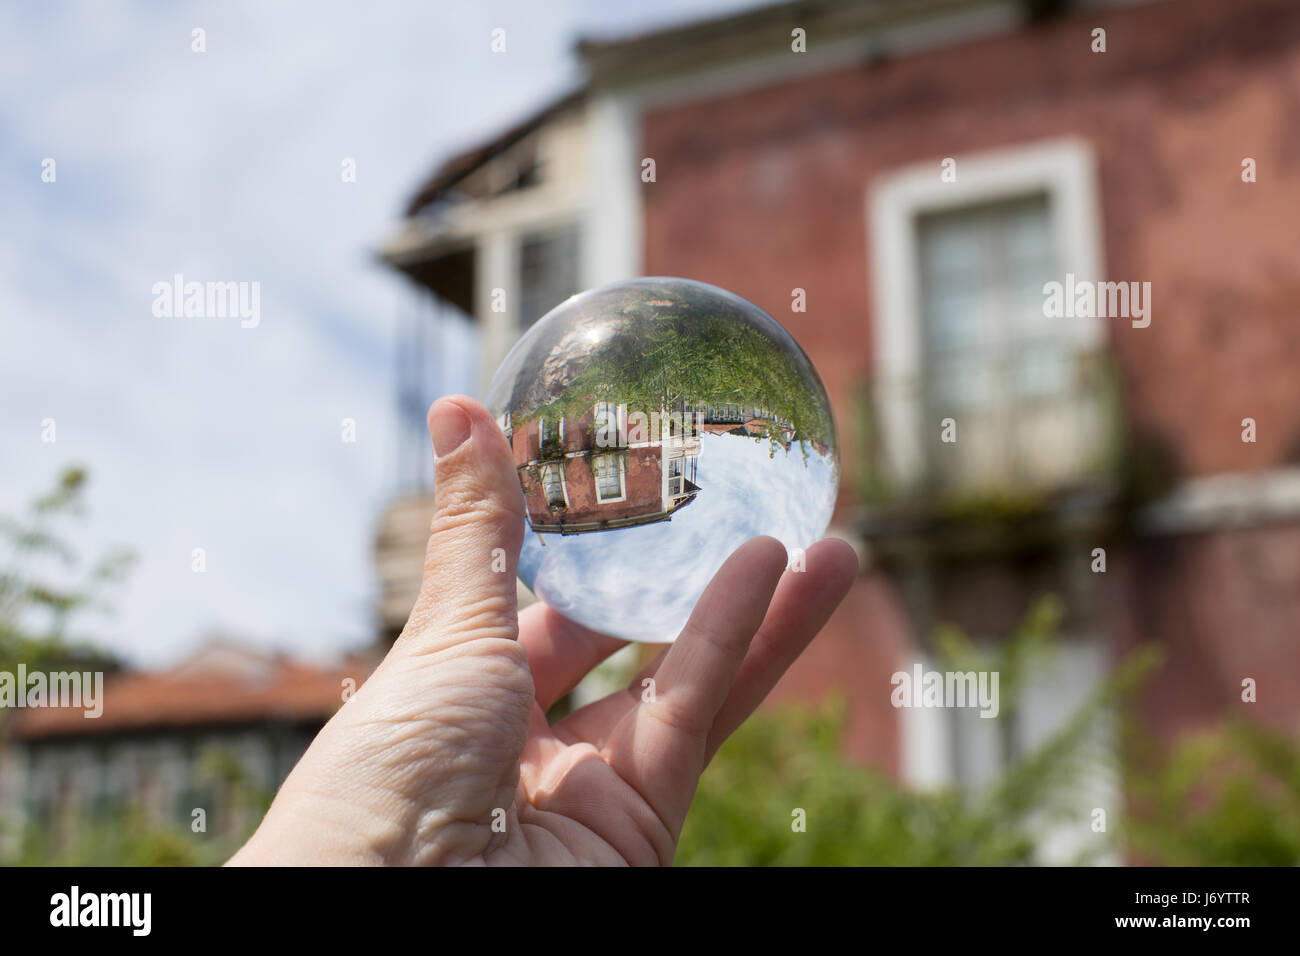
271, 688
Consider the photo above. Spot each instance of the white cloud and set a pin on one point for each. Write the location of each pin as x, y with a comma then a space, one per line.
642, 582
225, 166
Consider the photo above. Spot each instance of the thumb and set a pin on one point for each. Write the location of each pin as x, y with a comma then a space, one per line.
468, 590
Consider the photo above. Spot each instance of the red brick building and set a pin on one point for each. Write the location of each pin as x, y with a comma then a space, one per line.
200, 746
755, 191
919, 173
588, 474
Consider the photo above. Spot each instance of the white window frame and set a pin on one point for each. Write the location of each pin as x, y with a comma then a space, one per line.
682, 477
564, 482
928, 736
622, 477
1064, 169
615, 414
545, 231
541, 431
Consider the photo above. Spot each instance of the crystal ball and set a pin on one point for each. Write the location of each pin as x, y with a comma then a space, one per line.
657, 424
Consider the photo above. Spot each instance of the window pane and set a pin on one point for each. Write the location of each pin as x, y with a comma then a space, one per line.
607, 477
550, 435
951, 255
961, 382
675, 477
553, 485
1042, 371
548, 273
953, 319
991, 356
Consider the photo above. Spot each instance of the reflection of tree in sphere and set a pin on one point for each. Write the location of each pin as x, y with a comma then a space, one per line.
657, 424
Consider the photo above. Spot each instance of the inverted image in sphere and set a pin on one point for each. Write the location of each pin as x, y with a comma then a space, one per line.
657, 424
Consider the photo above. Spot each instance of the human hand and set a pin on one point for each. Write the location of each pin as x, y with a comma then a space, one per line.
444, 755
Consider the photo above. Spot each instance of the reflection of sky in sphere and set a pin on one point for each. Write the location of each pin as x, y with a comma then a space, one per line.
642, 582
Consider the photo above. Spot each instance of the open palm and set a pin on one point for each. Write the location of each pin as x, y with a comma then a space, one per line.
444, 756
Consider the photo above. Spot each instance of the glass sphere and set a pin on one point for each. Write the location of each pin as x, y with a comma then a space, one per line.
657, 424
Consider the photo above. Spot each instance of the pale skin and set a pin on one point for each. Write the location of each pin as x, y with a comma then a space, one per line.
449, 736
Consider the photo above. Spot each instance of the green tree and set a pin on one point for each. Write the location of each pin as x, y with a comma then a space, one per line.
46, 588
686, 358
790, 761
1228, 796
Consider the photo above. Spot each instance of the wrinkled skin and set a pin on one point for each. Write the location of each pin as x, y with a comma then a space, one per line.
444, 755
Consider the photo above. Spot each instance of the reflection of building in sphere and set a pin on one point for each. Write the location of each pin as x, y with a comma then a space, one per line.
593, 473
609, 469
745, 421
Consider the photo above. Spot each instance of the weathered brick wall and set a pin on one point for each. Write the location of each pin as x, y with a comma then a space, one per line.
765, 191
643, 483
1222, 607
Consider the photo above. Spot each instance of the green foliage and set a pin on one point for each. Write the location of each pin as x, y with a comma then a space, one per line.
777, 763
125, 836
872, 484
1227, 797
674, 360
1030, 645
128, 839
44, 586
1231, 797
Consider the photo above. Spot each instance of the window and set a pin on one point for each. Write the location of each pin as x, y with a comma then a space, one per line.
548, 273
681, 476
605, 422
608, 470
954, 747
676, 477
553, 484
550, 431
958, 272
991, 360
672, 424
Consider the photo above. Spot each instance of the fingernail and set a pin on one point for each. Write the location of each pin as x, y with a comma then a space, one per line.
449, 426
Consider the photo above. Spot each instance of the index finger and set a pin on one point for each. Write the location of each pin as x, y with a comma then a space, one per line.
659, 746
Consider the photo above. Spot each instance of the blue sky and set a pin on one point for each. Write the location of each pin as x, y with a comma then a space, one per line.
745, 491
222, 166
